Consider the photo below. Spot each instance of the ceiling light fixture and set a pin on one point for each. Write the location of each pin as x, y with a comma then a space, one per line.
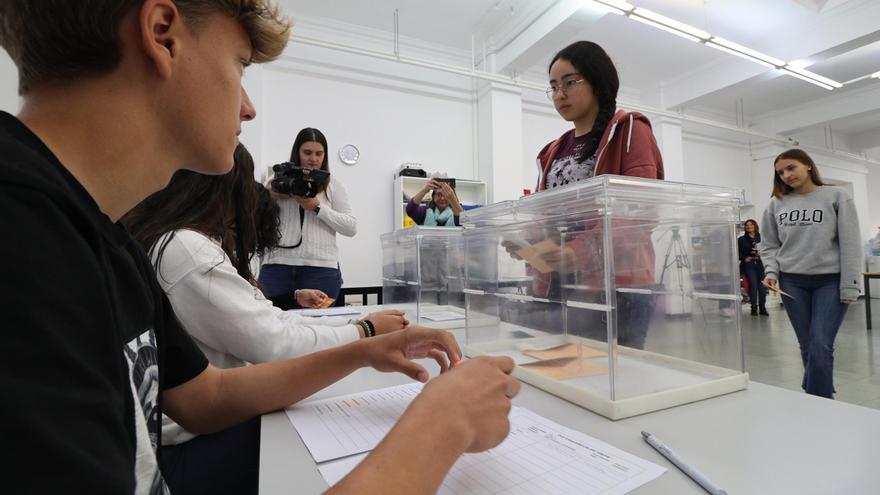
668, 29
750, 54
616, 6
792, 73
741, 55
672, 23
814, 76
653, 19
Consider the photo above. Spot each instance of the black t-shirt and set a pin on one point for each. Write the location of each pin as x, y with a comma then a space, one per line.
89, 338
576, 159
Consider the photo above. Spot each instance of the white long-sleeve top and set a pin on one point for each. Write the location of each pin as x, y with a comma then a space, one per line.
318, 231
229, 319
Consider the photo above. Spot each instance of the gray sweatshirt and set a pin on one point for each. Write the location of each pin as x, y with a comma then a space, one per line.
813, 234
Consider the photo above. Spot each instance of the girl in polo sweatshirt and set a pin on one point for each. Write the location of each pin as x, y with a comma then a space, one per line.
812, 251
605, 140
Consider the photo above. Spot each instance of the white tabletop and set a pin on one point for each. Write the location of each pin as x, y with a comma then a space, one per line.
761, 440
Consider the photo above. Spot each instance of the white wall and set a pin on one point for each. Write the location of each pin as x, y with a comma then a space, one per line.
717, 162
9, 100
389, 118
873, 185
396, 113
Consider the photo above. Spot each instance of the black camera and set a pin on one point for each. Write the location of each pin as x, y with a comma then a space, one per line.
299, 181
449, 181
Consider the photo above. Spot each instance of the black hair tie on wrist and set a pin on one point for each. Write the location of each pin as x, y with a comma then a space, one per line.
371, 327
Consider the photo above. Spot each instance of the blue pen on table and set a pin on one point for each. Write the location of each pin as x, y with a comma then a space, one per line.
684, 466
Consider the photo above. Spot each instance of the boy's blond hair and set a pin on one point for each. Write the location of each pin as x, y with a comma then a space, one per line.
64, 40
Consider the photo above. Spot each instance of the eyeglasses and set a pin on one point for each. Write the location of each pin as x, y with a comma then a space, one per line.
552, 91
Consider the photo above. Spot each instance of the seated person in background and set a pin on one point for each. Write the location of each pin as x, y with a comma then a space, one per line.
443, 210
201, 233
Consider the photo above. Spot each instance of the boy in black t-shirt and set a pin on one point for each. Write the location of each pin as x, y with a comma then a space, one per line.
118, 95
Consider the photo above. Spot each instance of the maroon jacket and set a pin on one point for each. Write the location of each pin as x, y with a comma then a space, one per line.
627, 148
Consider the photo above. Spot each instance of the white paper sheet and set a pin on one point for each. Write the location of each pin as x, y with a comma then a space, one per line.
334, 311
443, 316
350, 424
538, 457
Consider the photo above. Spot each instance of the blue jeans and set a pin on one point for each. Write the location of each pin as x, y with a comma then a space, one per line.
633, 319
816, 314
277, 280
754, 273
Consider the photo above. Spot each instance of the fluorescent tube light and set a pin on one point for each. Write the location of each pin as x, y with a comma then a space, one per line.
876, 75
747, 51
813, 75
739, 54
616, 6
672, 23
645, 20
799, 64
807, 79
653, 19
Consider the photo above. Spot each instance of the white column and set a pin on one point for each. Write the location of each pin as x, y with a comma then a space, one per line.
500, 140
763, 155
667, 131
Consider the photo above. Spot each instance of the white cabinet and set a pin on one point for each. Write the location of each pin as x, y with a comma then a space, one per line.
471, 193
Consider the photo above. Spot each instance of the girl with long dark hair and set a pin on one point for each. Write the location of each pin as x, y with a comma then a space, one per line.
813, 252
307, 256
201, 233
604, 140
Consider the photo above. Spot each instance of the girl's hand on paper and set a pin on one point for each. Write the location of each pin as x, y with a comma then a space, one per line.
395, 351
475, 397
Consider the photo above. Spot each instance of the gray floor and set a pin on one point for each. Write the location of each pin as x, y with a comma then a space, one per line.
772, 355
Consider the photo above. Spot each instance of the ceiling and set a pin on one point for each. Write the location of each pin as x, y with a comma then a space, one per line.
838, 39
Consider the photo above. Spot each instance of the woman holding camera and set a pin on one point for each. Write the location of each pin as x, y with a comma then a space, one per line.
307, 257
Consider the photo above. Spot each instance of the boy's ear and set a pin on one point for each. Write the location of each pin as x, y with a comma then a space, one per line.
160, 27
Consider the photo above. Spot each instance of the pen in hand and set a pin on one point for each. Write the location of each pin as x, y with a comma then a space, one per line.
777, 290
684, 466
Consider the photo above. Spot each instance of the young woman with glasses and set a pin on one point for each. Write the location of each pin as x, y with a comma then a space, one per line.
604, 140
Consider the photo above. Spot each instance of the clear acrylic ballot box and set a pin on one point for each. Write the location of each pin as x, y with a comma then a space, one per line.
619, 294
422, 273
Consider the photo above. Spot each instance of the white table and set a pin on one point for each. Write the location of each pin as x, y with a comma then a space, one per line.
761, 440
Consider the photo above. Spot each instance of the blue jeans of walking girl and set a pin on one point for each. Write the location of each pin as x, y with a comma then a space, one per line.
816, 314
